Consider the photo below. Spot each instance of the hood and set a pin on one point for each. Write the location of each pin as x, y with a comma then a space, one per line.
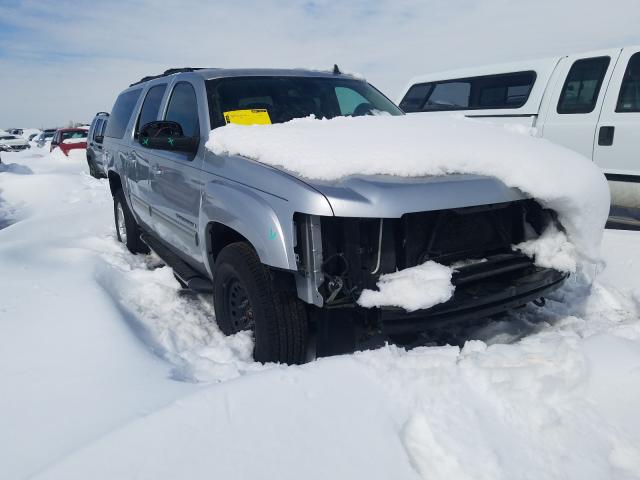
345, 151
391, 196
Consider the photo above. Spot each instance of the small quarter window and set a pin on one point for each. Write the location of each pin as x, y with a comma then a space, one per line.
582, 86
629, 98
183, 109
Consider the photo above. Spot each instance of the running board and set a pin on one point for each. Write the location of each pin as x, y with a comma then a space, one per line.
187, 275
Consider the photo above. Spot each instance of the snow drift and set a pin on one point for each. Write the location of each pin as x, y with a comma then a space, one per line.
419, 145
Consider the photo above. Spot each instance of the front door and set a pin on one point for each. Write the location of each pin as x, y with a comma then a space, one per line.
617, 141
175, 181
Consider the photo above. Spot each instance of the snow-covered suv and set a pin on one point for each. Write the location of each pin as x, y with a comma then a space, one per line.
293, 226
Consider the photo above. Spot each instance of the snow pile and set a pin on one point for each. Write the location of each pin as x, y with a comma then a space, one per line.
421, 145
100, 351
552, 250
413, 288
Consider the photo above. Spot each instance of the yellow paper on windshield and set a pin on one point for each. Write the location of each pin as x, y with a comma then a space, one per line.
258, 116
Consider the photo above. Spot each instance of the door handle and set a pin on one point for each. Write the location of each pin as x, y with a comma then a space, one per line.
605, 136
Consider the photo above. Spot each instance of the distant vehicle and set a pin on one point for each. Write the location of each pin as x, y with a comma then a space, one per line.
94, 145
32, 136
588, 102
67, 139
45, 136
277, 251
14, 143
15, 131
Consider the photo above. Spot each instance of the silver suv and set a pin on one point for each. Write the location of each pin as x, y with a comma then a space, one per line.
285, 256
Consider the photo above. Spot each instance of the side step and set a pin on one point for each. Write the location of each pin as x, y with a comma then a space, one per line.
187, 275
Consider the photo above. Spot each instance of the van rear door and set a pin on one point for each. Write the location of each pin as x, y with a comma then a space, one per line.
580, 83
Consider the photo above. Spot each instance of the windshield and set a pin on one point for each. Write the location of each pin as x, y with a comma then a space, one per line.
286, 98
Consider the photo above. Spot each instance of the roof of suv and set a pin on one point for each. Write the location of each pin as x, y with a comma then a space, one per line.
212, 73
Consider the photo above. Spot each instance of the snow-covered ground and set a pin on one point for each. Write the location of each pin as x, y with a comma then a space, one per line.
108, 370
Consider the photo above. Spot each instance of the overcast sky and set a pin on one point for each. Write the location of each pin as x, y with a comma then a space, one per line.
64, 60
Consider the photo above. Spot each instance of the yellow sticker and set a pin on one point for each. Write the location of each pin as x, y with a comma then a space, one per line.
258, 116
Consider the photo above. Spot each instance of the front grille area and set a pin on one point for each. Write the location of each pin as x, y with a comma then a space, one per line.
359, 250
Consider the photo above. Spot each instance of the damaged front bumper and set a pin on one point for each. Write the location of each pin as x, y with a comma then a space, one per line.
486, 289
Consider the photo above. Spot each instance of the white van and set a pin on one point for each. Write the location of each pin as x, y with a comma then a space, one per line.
588, 102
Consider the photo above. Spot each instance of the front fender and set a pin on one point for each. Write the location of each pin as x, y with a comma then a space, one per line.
266, 221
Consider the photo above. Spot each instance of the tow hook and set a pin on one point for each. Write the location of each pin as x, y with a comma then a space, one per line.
540, 302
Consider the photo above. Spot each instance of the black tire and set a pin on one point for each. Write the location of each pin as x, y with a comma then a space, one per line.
277, 317
131, 234
92, 168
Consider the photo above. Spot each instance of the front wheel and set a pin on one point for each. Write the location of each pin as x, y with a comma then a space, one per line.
246, 298
127, 229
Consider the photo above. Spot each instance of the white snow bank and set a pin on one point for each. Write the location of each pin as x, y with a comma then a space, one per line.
551, 250
420, 145
414, 288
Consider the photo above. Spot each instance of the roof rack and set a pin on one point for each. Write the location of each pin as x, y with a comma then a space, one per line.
171, 71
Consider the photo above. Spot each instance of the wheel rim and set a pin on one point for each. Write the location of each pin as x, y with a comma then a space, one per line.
120, 223
239, 309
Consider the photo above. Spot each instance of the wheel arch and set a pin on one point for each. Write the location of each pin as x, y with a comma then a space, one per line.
115, 183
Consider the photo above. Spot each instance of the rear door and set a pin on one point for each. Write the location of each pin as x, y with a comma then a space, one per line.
574, 106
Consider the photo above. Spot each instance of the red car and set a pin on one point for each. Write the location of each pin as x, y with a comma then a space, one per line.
69, 139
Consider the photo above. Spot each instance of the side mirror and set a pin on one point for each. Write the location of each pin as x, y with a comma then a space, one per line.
99, 138
164, 135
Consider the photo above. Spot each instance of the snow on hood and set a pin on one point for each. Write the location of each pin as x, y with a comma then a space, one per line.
423, 145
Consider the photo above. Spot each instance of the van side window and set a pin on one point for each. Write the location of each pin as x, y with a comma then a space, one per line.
582, 86
183, 108
448, 96
121, 113
629, 98
151, 106
506, 90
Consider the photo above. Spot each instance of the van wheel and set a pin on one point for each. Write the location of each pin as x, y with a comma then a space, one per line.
245, 298
127, 229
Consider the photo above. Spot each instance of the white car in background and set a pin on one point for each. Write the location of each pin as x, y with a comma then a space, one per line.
13, 143
588, 102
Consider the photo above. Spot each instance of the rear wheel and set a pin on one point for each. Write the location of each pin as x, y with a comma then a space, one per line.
127, 229
246, 298
93, 171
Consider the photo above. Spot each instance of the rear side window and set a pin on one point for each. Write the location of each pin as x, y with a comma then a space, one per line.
629, 98
183, 108
151, 105
508, 90
97, 128
121, 113
582, 86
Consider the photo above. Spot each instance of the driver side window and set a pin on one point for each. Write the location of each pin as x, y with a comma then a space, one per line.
349, 100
